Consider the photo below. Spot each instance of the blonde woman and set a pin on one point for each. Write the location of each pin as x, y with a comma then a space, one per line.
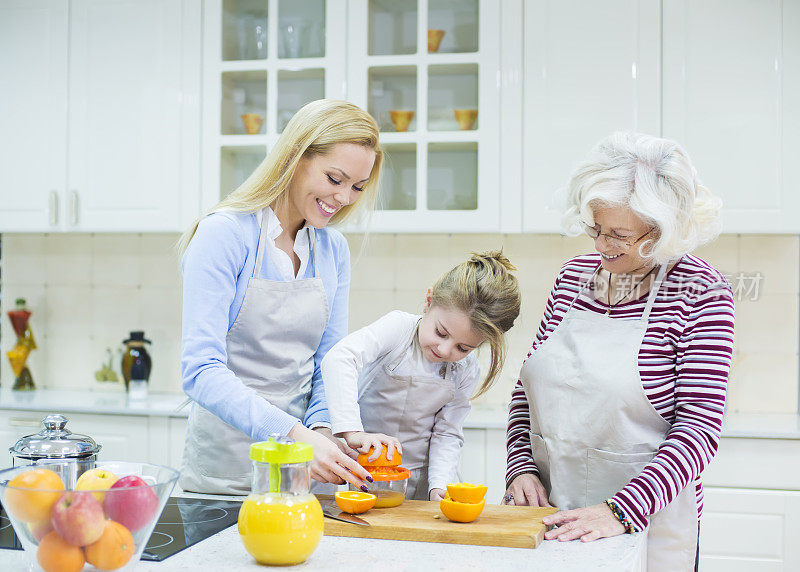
265, 296
619, 405
412, 377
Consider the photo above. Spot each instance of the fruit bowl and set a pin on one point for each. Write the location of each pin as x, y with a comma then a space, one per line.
103, 522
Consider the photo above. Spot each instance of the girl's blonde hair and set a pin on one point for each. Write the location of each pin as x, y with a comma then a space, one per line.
656, 179
484, 289
313, 130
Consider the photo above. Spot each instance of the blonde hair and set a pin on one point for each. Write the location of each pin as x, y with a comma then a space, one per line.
484, 289
656, 179
314, 130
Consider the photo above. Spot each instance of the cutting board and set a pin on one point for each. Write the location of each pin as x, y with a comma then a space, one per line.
498, 525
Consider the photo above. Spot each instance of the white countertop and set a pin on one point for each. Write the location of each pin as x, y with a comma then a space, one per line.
101, 402
482, 416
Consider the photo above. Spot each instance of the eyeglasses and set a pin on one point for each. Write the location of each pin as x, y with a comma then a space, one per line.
614, 241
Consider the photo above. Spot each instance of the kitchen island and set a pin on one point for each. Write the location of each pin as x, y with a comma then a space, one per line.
225, 551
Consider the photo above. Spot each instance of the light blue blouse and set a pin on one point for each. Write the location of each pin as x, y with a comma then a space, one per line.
216, 269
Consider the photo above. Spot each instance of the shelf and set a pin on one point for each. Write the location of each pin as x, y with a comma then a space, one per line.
458, 19
452, 88
301, 29
452, 176
399, 181
236, 164
392, 27
242, 93
295, 89
392, 89
244, 30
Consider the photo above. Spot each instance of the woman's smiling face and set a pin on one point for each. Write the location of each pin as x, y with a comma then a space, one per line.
323, 184
625, 226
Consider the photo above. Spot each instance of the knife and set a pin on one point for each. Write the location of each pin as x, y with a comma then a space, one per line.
330, 510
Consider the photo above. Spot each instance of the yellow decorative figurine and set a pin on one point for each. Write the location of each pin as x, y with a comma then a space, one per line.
25, 343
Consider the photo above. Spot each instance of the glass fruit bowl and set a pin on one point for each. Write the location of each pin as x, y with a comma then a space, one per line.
104, 521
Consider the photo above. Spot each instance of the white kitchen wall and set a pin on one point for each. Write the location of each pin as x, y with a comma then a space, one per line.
88, 291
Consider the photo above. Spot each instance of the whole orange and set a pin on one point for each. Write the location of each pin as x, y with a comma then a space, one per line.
55, 555
33, 505
113, 549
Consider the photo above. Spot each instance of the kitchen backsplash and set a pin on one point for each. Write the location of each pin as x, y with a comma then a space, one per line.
87, 292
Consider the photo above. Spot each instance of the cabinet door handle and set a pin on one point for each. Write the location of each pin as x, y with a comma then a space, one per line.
73, 208
53, 208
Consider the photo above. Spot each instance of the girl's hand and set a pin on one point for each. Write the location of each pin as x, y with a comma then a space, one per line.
363, 442
526, 490
588, 523
436, 494
329, 464
343, 447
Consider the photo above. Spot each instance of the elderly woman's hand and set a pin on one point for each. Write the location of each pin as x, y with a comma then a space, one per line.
588, 523
526, 490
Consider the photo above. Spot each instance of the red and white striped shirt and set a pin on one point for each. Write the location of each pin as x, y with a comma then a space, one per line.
684, 362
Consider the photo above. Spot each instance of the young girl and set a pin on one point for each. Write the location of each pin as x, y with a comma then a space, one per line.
412, 376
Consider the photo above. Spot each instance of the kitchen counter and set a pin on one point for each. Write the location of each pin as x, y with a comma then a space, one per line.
100, 402
224, 551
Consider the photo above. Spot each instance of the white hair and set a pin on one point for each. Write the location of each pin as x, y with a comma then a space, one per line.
656, 179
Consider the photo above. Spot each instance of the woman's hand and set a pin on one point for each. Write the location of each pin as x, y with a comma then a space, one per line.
363, 442
588, 523
436, 494
330, 464
526, 490
343, 447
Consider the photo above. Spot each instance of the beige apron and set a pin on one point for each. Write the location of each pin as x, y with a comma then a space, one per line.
593, 428
405, 406
271, 348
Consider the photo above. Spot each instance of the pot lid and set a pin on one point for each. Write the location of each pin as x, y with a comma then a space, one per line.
55, 442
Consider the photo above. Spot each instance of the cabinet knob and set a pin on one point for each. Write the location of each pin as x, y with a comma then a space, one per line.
73, 208
53, 207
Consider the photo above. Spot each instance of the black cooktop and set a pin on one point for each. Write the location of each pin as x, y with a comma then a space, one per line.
184, 522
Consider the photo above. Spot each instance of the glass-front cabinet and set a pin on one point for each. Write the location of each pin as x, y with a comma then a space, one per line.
263, 60
427, 71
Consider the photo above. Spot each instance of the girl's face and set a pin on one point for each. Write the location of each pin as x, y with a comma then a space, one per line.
446, 335
323, 184
621, 234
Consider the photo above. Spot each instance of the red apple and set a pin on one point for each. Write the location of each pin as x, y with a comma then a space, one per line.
78, 518
131, 502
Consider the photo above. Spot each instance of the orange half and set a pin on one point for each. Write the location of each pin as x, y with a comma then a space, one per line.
461, 511
381, 461
355, 502
466, 492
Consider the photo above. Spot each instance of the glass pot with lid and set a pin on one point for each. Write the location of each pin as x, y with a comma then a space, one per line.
280, 522
68, 454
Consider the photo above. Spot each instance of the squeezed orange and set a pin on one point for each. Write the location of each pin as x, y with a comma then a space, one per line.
280, 529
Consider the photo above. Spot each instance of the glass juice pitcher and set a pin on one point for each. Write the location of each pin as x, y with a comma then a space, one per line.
280, 522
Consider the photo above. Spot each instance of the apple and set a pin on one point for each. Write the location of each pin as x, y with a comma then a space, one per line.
78, 518
39, 529
131, 502
96, 480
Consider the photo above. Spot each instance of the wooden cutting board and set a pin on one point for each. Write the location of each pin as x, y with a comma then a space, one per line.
498, 525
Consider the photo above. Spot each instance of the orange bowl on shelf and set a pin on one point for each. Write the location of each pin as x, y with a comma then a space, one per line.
434, 40
461, 511
354, 502
401, 119
466, 492
466, 118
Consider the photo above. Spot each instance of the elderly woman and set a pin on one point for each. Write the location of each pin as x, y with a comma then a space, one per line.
619, 405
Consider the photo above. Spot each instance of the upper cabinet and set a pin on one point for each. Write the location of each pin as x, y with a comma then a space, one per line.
427, 70
730, 96
263, 60
113, 145
590, 68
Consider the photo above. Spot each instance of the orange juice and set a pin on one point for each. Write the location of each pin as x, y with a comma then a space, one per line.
280, 529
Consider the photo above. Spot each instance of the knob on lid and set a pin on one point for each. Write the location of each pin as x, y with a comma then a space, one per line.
55, 441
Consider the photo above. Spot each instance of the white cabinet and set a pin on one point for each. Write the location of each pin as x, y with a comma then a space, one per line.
101, 115
731, 87
590, 68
